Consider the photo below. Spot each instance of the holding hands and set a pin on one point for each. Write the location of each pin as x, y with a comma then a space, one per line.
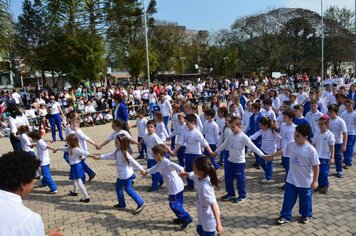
267, 158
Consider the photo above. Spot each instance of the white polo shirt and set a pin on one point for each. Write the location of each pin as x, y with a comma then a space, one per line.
211, 132
165, 107
338, 127
42, 151
16, 219
151, 140
322, 143
350, 120
194, 140
53, 108
141, 127
169, 169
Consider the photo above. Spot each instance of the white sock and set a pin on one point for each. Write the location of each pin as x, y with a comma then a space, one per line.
82, 188
75, 186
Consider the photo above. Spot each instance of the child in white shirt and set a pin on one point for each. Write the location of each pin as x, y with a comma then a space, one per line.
125, 172
26, 144
161, 130
175, 185
211, 134
349, 116
179, 131
324, 142
141, 124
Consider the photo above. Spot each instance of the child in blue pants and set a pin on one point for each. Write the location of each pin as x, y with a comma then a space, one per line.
302, 176
349, 116
175, 185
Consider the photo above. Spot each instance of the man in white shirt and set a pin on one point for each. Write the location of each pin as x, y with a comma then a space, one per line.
15, 218
16, 97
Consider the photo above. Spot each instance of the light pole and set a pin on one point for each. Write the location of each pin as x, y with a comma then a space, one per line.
322, 41
225, 59
355, 42
182, 59
146, 39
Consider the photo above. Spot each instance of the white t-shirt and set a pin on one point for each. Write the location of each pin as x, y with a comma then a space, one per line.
42, 152
313, 119
115, 134
151, 140
16, 122
161, 131
287, 134
169, 169
82, 138
124, 169
76, 153
165, 107
235, 144
16, 219
137, 94
302, 159
205, 197
269, 114
221, 123
338, 127
350, 120
322, 143
141, 127
211, 132
270, 140
152, 97
16, 97
25, 143
54, 108
301, 98
194, 140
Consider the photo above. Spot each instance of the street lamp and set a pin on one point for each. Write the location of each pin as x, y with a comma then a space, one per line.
146, 39
322, 41
355, 41
182, 59
225, 59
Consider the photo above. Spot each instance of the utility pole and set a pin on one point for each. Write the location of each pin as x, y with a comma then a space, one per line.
146, 39
322, 41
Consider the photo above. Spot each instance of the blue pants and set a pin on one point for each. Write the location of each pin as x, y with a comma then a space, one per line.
258, 144
324, 172
235, 171
176, 205
173, 142
267, 166
55, 120
152, 109
180, 155
127, 184
189, 160
143, 147
285, 163
338, 158
223, 153
47, 178
15, 142
213, 159
166, 121
86, 169
351, 139
201, 232
290, 197
157, 177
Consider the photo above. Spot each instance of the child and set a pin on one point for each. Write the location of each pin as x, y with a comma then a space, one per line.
299, 118
253, 126
220, 120
99, 118
43, 156
179, 131
190, 108
165, 109
108, 116
267, 110
161, 130
338, 128
293, 101
211, 134
76, 168
270, 143
194, 140
125, 175
286, 133
175, 123
302, 176
88, 120
205, 178
222, 137
117, 126
324, 142
151, 139
82, 138
141, 124
174, 184
349, 116
313, 116
204, 108
235, 163
26, 144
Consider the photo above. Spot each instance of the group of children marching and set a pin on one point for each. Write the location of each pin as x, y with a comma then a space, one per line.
308, 146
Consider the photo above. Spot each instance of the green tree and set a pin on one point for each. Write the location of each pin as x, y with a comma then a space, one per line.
344, 16
6, 28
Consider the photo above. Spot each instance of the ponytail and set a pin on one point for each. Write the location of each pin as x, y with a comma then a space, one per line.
269, 123
203, 163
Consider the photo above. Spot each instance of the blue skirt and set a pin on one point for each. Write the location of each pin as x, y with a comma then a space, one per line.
76, 171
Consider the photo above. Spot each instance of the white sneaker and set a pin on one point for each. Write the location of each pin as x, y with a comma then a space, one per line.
264, 181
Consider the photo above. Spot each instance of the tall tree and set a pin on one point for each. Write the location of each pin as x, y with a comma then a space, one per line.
344, 16
6, 28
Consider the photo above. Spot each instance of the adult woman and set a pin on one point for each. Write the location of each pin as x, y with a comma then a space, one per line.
16, 119
55, 113
152, 98
121, 112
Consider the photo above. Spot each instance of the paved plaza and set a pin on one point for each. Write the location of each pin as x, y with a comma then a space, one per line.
334, 213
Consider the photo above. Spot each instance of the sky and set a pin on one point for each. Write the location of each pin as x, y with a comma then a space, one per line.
214, 15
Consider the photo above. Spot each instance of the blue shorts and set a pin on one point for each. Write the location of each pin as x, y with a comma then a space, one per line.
76, 171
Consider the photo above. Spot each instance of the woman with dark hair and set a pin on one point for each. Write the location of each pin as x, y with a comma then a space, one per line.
121, 112
16, 119
55, 119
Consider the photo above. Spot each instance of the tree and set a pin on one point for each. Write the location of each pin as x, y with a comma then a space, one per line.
343, 16
6, 28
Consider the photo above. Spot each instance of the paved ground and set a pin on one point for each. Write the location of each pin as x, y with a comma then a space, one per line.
334, 213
